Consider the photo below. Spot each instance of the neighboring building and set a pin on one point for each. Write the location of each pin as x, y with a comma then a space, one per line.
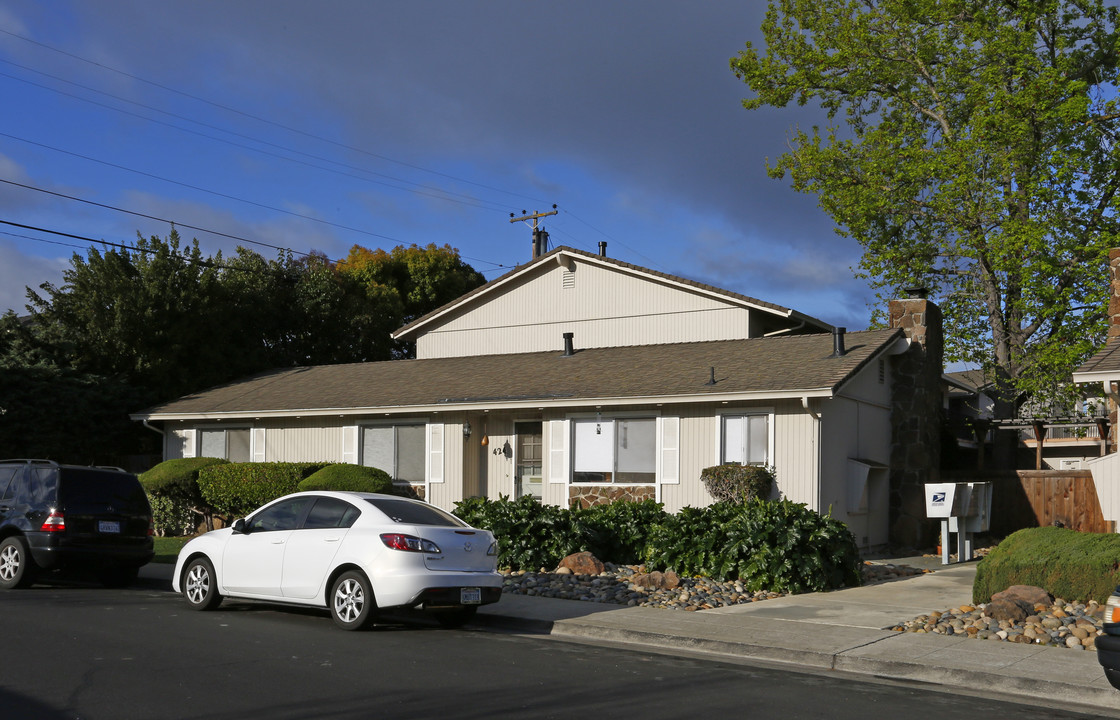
579, 378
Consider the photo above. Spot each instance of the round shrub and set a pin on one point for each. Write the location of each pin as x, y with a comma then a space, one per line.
735, 483
775, 545
347, 477
177, 503
237, 489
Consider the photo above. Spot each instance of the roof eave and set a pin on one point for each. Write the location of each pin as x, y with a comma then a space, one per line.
466, 406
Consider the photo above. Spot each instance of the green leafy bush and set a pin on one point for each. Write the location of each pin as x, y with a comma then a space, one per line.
773, 545
1068, 564
177, 503
619, 531
530, 535
344, 476
236, 489
735, 483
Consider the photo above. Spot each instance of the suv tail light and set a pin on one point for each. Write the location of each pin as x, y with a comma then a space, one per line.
151, 527
409, 543
55, 522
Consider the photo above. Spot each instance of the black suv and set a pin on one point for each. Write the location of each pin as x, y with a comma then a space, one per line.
68, 516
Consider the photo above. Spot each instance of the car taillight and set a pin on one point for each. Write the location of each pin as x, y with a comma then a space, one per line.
1112, 607
409, 543
151, 527
493, 549
55, 522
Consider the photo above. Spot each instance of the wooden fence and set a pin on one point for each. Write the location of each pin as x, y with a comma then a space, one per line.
1039, 498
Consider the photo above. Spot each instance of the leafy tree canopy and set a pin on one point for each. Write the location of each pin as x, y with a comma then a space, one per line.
970, 149
132, 327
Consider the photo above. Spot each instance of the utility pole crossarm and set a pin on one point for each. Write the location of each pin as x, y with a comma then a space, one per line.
540, 237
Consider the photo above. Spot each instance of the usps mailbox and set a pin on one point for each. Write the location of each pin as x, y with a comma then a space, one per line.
964, 509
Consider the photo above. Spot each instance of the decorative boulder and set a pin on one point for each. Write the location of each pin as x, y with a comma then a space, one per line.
657, 580
1017, 602
1026, 595
583, 563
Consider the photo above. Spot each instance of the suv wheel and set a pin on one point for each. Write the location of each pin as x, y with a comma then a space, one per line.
17, 569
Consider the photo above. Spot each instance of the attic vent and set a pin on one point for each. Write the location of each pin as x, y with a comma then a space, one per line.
882, 371
568, 279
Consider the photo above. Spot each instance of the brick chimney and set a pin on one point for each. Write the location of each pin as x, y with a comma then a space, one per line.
915, 418
1114, 299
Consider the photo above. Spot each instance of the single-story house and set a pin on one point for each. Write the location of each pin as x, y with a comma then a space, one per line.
580, 378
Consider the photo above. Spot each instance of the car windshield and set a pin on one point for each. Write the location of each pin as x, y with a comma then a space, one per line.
413, 513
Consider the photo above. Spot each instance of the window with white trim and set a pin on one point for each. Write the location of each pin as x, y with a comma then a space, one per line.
229, 443
396, 449
745, 439
622, 450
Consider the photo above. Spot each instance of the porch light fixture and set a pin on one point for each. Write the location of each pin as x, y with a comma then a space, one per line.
467, 430
485, 440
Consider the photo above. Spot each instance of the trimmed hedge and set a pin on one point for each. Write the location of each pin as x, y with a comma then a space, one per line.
177, 503
236, 489
735, 483
1068, 564
775, 545
354, 478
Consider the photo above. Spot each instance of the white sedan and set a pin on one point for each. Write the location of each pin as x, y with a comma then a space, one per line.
353, 553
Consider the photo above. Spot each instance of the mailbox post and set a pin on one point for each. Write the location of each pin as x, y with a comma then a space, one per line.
963, 508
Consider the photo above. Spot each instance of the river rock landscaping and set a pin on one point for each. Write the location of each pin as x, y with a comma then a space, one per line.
1060, 624
631, 585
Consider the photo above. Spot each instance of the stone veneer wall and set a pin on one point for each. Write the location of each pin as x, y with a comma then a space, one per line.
1113, 331
915, 420
588, 495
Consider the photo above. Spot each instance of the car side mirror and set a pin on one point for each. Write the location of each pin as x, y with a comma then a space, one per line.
239, 527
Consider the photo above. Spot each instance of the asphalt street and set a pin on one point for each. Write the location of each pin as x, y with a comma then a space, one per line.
74, 650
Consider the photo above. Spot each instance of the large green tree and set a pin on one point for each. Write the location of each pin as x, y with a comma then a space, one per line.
971, 148
129, 327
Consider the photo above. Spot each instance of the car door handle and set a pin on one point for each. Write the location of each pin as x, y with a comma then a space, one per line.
278, 542
331, 539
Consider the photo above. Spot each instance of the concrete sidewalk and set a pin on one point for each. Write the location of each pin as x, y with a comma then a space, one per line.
835, 631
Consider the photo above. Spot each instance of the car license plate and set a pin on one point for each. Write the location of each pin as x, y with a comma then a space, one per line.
108, 526
470, 596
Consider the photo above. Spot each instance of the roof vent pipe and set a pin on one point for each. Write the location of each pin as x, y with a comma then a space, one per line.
838, 341
568, 349
602, 248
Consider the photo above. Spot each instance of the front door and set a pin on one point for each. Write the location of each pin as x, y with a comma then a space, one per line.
528, 477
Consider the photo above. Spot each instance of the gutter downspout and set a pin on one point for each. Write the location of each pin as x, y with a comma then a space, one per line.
820, 464
153, 428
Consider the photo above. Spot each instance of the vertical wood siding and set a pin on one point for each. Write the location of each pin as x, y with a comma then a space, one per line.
604, 308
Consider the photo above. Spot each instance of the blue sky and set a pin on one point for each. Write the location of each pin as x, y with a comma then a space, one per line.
317, 126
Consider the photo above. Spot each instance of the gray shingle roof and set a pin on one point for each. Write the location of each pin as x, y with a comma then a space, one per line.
784, 365
1106, 360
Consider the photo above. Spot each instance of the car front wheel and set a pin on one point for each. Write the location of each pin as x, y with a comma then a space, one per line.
200, 587
352, 603
17, 569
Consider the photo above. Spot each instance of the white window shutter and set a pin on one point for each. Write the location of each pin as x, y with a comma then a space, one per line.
670, 450
188, 442
435, 452
257, 450
558, 451
350, 444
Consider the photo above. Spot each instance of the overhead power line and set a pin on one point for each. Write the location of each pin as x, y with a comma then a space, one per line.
265, 120
425, 190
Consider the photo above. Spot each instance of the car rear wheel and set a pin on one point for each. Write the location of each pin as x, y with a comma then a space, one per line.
17, 569
457, 617
200, 587
352, 603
